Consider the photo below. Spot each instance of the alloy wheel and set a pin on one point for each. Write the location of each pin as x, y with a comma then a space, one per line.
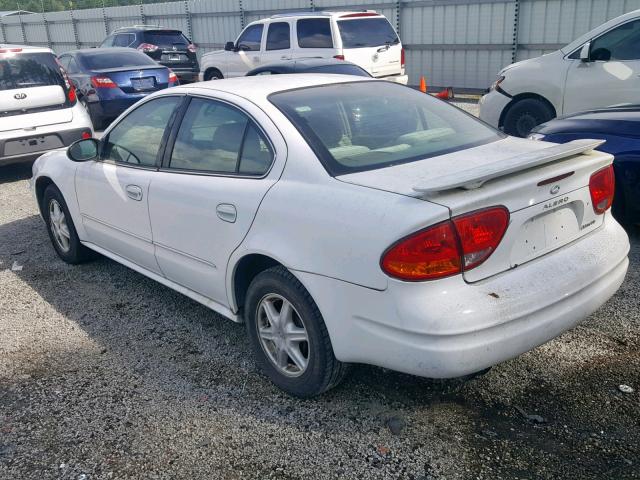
59, 226
283, 335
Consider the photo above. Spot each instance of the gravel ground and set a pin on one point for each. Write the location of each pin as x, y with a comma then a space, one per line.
106, 374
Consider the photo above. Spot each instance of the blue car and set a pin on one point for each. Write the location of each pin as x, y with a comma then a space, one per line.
620, 127
110, 80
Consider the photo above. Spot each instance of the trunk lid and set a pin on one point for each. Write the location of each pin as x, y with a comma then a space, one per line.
137, 79
544, 186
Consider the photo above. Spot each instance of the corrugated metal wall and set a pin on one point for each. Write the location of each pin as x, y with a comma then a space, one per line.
460, 43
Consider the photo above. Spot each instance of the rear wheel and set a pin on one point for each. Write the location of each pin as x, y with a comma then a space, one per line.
213, 74
289, 337
61, 229
525, 114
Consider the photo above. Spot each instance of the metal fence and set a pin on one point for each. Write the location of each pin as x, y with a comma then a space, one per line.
459, 43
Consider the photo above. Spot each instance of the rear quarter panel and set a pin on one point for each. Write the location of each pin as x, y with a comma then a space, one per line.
311, 222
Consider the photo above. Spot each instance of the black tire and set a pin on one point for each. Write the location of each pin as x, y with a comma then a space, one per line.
96, 121
213, 74
76, 252
525, 114
619, 207
323, 370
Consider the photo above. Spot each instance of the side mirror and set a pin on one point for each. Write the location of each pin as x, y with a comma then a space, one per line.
83, 150
229, 46
585, 52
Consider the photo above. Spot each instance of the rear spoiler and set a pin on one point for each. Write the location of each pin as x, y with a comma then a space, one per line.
476, 177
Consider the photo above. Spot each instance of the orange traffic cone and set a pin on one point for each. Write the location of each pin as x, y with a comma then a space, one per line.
446, 94
423, 84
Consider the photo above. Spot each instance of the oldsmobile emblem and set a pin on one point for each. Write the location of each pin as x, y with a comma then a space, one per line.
555, 189
20, 96
375, 57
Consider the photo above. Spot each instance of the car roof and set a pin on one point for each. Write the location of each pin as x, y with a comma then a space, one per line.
323, 14
25, 48
258, 88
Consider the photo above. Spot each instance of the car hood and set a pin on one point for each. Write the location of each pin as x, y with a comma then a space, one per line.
214, 53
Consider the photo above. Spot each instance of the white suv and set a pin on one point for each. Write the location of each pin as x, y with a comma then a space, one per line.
38, 106
365, 38
597, 70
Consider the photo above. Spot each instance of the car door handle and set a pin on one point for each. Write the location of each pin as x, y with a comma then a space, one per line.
227, 212
134, 192
284, 57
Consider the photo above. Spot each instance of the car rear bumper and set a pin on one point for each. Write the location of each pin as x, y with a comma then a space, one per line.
449, 328
491, 107
402, 79
25, 148
189, 74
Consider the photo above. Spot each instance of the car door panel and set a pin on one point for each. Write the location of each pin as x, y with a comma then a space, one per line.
193, 242
113, 219
247, 56
199, 218
113, 192
277, 43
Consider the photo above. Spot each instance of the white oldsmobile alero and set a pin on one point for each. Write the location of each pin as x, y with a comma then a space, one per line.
344, 220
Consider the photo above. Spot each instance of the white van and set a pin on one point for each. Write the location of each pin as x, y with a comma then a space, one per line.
365, 38
597, 70
39, 110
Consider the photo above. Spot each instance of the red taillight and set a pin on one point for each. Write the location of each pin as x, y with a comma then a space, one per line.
147, 47
71, 95
173, 78
10, 50
402, 58
339, 57
480, 233
425, 255
191, 47
602, 185
102, 82
447, 248
86, 135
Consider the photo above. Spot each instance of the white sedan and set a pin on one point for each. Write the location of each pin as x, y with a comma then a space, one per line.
345, 220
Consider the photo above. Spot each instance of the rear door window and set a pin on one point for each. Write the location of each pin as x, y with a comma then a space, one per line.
218, 138
314, 33
27, 70
124, 39
250, 39
278, 36
367, 32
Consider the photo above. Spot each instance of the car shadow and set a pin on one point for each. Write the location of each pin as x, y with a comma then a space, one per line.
136, 319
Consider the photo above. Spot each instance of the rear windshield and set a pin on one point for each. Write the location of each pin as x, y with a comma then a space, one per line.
367, 125
166, 39
103, 60
24, 70
367, 32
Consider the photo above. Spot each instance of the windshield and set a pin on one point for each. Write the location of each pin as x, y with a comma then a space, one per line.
26, 70
367, 32
360, 126
166, 39
103, 60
